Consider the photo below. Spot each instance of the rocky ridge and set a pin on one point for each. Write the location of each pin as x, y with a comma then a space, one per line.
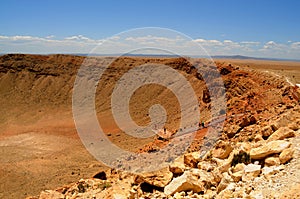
259, 169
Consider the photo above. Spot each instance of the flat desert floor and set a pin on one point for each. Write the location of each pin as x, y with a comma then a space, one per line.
290, 69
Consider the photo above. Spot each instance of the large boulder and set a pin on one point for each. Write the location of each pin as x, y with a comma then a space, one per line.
286, 155
49, 194
281, 133
295, 125
272, 161
269, 148
266, 131
156, 178
192, 159
251, 171
222, 150
237, 172
206, 166
224, 165
248, 120
177, 167
267, 172
206, 178
224, 182
186, 182
232, 130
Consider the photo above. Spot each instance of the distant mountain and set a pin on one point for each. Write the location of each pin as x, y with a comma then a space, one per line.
246, 57
233, 57
170, 56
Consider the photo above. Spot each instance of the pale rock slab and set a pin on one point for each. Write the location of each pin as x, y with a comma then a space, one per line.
186, 182
281, 133
49, 194
286, 155
157, 178
251, 171
224, 182
222, 150
269, 148
272, 161
192, 159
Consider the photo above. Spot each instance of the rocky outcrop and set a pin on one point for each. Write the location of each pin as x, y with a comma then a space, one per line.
222, 176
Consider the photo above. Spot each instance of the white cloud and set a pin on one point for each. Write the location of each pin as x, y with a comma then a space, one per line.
150, 39
50, 37
250, 42
117, 44
295, 45
200, 40
30, 44
270, 45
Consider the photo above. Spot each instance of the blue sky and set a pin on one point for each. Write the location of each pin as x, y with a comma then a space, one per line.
273, 27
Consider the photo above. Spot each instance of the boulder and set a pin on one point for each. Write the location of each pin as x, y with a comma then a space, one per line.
237, 176
269, 148
186, 182
225, 194
237, 172
224, 182
269, 171
251, 171
272, 161
266, 131
206, 96
206, 166
206, 178
177, 168
281, 133
225, 71
217, 175
49, 194
192, 159
275, 126
248, 120
222, 150
238, 167
295, 125
156, 178
232, 130
286, 155
224, 165
243, 147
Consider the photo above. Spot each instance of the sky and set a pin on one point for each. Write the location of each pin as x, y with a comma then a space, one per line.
259, 28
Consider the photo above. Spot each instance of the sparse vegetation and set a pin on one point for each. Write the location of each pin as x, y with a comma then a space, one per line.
241, 157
